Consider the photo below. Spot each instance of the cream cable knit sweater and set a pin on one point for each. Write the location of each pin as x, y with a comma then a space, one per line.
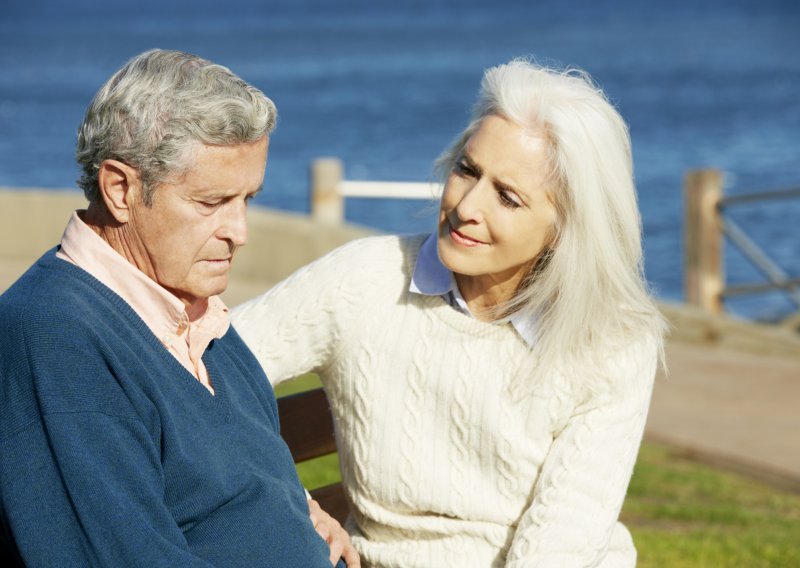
443, 465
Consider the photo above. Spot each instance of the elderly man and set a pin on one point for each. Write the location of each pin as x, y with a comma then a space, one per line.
136, 428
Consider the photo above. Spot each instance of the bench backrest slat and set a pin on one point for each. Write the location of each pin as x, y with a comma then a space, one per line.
307, 428
307, 425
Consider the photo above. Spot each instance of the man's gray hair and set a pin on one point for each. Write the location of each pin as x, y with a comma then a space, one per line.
154, 111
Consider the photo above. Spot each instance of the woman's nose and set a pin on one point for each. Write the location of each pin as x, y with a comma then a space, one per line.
471, 203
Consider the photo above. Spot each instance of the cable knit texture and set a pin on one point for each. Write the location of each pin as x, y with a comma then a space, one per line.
444, 462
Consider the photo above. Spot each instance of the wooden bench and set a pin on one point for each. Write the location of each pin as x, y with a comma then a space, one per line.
307, 428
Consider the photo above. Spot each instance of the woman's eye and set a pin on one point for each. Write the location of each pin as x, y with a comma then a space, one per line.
508, 199
464, 170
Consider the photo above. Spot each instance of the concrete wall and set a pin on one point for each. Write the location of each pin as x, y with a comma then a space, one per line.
31, 222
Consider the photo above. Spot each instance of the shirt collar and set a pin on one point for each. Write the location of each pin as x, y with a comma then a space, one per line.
160, 310
432, 278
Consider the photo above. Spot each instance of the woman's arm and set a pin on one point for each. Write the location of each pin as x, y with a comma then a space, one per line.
585, 476
294, 327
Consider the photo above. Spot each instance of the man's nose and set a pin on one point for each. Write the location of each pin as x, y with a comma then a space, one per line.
234, 226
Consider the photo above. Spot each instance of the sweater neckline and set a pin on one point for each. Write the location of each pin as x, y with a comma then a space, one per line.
456, 319
219, 399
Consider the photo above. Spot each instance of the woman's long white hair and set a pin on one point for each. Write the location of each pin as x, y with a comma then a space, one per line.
587, 290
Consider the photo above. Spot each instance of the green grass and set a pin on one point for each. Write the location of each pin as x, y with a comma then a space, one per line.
300, 384
319, 472
685, 514
682, 514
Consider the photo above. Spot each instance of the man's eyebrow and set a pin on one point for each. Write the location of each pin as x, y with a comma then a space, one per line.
216, 193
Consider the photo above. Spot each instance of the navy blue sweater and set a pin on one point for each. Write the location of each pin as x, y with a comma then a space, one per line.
112, 454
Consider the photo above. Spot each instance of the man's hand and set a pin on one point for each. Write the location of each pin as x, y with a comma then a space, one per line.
336, 537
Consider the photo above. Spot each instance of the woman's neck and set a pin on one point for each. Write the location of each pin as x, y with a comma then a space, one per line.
485, 293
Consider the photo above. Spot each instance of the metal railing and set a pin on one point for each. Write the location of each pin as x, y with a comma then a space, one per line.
706, 223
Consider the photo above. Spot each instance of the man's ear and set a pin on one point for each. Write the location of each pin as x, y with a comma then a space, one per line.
119, 186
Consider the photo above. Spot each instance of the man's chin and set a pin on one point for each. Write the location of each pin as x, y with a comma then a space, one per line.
198, 297
217, 289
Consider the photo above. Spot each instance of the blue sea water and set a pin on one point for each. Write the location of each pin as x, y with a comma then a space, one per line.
385, 85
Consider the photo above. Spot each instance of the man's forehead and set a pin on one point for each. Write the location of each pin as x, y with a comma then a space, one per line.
199, 160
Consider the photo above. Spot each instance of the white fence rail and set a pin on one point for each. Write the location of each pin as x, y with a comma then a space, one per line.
329, 190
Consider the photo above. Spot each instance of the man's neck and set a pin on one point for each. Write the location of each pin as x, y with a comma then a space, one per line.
112, 232
98, 219
197, 309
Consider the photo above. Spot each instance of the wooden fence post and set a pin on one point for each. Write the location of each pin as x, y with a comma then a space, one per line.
704, 279
327, 206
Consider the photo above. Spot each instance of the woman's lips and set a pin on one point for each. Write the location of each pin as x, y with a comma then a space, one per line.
464, 240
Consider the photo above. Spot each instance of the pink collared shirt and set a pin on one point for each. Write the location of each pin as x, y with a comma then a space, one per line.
161, 311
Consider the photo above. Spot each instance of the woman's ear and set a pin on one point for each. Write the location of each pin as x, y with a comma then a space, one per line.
119, 185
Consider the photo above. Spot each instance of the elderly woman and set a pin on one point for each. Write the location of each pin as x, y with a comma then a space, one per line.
489, 382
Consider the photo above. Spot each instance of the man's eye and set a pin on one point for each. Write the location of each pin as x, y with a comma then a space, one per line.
208, 205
